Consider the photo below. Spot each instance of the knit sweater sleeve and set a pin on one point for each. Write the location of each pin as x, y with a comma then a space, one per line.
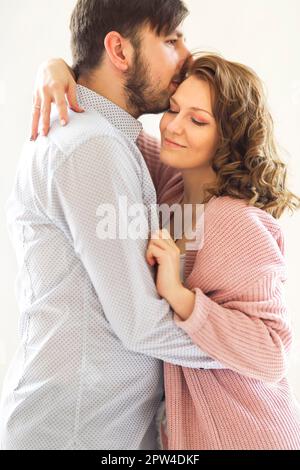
248, 330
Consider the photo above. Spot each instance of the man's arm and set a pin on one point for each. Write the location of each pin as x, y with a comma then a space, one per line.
100, 172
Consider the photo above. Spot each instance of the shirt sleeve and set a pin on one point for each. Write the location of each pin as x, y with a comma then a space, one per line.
88, 184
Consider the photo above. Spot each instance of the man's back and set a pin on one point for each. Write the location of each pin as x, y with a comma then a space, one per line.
73, 383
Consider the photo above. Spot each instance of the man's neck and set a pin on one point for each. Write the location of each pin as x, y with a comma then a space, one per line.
108, 83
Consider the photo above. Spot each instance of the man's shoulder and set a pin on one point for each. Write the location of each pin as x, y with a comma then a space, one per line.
82, 128
89, 138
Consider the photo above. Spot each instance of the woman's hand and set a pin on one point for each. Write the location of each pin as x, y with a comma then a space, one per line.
163, 251
55, 84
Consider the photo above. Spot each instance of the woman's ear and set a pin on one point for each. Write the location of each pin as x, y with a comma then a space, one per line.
119, 50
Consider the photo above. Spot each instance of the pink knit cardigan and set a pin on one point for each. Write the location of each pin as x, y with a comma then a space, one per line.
240, 319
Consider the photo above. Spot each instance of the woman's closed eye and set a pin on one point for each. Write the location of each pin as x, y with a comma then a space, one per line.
199, 123
194, 121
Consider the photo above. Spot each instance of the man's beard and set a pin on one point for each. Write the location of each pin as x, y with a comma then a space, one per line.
142, 96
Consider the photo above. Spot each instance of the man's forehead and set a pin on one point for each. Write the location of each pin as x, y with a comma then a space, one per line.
179, 32
147, 31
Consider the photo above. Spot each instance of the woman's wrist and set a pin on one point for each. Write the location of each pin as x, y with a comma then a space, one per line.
182, 301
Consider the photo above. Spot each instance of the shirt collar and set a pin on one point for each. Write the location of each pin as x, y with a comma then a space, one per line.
119, 118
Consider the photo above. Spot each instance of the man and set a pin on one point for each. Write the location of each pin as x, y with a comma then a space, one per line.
88, 373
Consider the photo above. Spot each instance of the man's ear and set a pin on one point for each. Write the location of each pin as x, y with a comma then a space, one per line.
119, 50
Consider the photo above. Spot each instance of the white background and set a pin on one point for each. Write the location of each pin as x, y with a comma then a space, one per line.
264, 34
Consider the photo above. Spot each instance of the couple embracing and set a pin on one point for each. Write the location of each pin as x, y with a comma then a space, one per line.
146, 342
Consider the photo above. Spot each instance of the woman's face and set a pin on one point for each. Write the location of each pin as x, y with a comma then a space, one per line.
189, 130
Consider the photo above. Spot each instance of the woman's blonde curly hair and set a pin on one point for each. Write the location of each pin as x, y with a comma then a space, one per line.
247, 162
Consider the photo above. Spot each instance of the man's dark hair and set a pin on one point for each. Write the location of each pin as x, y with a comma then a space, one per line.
92, 20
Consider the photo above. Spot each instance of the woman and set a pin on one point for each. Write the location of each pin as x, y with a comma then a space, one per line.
218, 151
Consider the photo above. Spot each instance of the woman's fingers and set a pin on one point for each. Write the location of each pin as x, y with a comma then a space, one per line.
45, 114
150, 257
72, 99
59, 100
162, 244
165, 234
36, 113
166, 239
154, 254
42, 109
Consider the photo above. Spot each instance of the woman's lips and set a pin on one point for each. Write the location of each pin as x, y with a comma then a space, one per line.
170, 143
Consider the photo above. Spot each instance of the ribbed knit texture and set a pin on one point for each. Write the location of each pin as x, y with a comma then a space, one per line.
240, 319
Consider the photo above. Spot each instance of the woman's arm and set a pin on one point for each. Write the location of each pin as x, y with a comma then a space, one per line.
248, 333
56, 84
241, 318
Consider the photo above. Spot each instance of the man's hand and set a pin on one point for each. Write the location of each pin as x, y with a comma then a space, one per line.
55, 84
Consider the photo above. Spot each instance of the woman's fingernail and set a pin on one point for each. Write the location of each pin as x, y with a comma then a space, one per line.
63, 122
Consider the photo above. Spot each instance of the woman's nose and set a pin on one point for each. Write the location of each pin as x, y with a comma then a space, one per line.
175, 126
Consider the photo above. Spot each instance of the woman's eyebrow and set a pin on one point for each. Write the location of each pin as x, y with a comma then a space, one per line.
193, 108
200, 109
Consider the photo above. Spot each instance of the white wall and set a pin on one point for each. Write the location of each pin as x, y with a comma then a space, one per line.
261, 33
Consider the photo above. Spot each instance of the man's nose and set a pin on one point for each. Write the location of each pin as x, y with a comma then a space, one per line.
185, 53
